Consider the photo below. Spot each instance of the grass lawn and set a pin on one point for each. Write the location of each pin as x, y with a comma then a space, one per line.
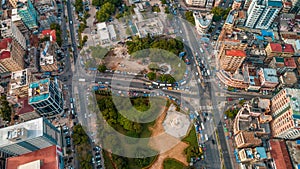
191, 138
171, 163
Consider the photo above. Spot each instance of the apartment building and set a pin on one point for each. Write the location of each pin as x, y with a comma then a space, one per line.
286, 114
46, 97
17, 20
261, 13
268, 78
232, 59
10, 30
29, 136
11, 55
28, 14
280, 50
48, 61
202, 22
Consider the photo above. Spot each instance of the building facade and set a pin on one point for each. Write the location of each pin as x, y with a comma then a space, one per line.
202, 21
29, 136
231, 60
261, 13
46, 97
28, 14
11, 55
198, 3
286, 114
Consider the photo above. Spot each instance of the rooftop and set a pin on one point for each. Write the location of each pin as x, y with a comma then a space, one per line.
18, 79
33, 128
112, 31
46, 58
153, 26
290, 62
39, 90
270, 75
232, 52
46, 158
26, 108
280, 154
51, 33
203, 19
277, 47
289, 78
102, 30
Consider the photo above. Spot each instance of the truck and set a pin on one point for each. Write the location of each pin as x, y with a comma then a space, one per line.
81, 80
208, 72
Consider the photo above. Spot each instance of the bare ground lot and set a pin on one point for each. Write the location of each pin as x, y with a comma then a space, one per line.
177, 152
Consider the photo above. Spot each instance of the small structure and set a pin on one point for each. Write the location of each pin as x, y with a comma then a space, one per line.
103, 33
152, 26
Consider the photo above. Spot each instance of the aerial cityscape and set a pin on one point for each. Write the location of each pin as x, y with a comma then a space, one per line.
150, 84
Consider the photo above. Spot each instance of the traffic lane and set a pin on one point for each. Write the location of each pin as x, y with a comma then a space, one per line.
223, 140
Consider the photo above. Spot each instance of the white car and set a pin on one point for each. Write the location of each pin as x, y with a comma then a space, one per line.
71, 22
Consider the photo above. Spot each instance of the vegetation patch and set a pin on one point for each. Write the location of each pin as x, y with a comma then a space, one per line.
192, 151
170, 163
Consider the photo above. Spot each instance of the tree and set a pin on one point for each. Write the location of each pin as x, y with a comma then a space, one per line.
163, 1
220, 13
167, 11
5, 109
102, 68
189, 17
151, 75
153, 67
167, 78
78, 6
106, 10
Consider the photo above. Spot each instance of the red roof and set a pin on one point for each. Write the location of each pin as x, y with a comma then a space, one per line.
26, 108
290, 62
280, 154
289, 48
49, 32
4, 43
277, 47
4, 55
48, 156
235, 53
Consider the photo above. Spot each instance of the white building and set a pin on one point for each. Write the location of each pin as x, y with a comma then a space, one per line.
103, 32
28, 136
261, 13
198, 3
202, 21
112, 32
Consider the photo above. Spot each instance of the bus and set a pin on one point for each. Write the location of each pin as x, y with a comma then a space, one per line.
155, 83
206, 137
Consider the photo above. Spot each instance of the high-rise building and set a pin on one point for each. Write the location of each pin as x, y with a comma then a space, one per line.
11, 55
261, 13
286, 114
29, 136
198, 3
10, 30
232, 59
14, 3
17, 20
28, 14
46, 158
46, 97
295, 7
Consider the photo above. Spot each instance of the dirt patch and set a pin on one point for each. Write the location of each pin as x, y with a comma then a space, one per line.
158, 142
119, 59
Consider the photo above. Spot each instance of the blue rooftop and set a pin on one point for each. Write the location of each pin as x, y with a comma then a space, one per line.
275, 3
298, 142
39, 98
262, 152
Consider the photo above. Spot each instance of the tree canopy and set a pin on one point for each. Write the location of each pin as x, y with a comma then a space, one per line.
189, 17
5, 109
220, 13
102, 68
105, 12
